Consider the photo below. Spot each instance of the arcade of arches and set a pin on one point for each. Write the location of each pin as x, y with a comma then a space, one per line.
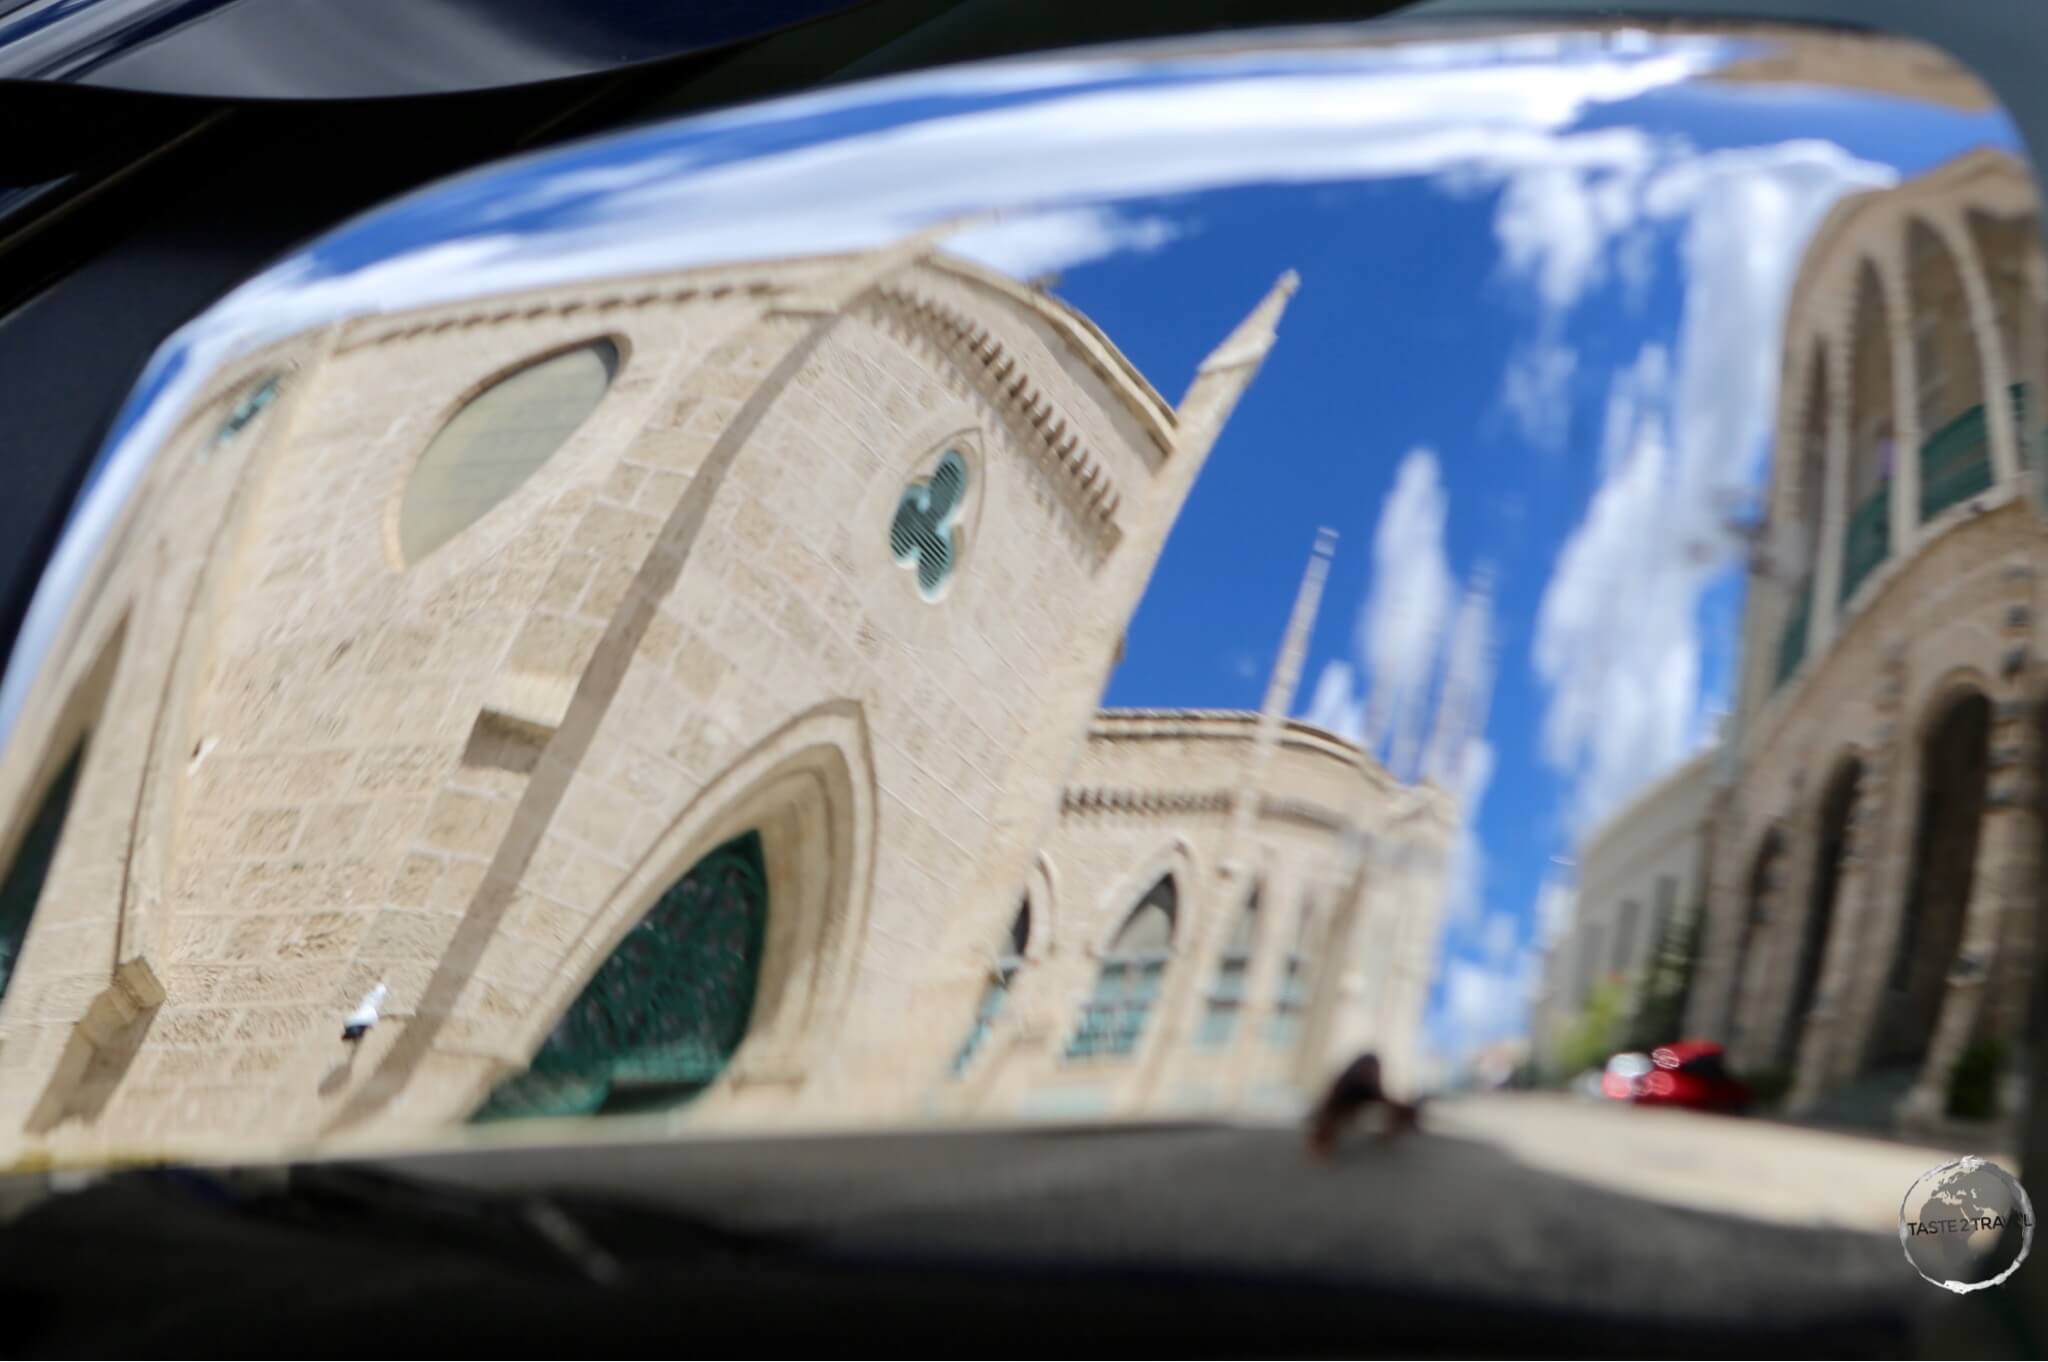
1873, 859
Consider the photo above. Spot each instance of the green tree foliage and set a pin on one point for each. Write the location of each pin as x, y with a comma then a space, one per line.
1973, 1083
1667, 985
1592, 1037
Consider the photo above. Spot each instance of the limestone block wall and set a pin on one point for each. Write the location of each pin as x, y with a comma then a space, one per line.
1153, 795
320, 766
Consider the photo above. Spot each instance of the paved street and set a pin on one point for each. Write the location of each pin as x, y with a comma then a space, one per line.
1596, 1226
1764, 1170
1525, 1197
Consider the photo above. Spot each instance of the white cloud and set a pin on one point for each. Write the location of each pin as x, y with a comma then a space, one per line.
1380, 698
1497, 938
1537, 391
1044, 243
1336, 705
1635, 262
1407, 607
1561, 226
1619, 638
1465, 871
1556, 903
1485, 1001
1616, 638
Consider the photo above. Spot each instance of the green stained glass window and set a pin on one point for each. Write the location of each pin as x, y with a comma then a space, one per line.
1955, 463
1792, 642
1868, 540
1113, 1018
1285, 1024
23, 886
665, 1012
1226, 996
245, 412
925, 534
1283, 1028
996, 996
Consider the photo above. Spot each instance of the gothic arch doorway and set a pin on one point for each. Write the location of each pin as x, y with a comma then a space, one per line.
1764, 874
663, 1015
1954, 767
1837, 811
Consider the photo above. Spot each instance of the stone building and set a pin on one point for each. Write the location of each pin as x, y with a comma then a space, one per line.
1639, 872
1874, 872
1320, 903
665, 688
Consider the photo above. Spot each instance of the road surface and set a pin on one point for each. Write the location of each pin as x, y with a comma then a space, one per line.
1583, 1213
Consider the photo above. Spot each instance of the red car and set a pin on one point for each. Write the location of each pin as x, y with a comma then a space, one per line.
1691, 1073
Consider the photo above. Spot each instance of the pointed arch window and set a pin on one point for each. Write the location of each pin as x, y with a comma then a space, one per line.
498, 440
664, 1014
1113, 1018
1866, 541
995, 996
1284, 1028
1227, 994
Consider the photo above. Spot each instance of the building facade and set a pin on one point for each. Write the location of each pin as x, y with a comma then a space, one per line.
1874, 879
668, 690
1190, 949
1639, 873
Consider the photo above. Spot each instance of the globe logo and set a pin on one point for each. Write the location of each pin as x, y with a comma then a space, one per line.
1966, 1225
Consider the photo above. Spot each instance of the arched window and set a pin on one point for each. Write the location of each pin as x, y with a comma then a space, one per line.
1114, 1017
1872, 436
996, 995
665, 1012
23, 887
2002, 245
1226, 996
1807, 505
1955, 447
1283, 1029
1813, 457
497, 441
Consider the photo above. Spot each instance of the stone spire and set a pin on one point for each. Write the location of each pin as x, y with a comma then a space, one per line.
1281, 687
1219, 383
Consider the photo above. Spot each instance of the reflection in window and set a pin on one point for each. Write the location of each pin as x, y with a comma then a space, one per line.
996, 996
1113, 1018
1226, 995
668, 1008
497, 441
23, 886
